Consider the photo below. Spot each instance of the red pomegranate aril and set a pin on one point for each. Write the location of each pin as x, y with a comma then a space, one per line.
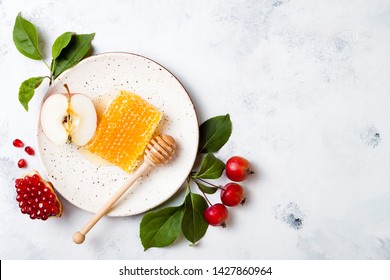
21, 188
18, 143
35, 192
22, 163
33, 216
54, 210
19, 198
35, 180
44, 217
23, 210
29, 150
18, 181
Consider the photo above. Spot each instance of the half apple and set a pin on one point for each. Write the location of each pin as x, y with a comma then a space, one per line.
68, 118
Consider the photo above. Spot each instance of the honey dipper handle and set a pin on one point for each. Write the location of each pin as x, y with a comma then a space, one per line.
79, 236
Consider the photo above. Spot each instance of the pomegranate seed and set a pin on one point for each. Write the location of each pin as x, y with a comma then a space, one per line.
35, 180
54, 210
18, 143
22, 189
29, 150
22, 163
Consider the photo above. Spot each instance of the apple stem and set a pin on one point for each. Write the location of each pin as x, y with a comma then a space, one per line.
68, 91
205, 196
68, 119
206, 182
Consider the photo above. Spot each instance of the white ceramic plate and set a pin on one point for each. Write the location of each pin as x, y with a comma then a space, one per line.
86, 181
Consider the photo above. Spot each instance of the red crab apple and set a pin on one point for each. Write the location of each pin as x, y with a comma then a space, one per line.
68, 117
238, 168
232, 194
216, 215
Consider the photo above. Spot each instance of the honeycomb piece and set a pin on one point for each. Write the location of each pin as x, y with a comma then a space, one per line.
124, 131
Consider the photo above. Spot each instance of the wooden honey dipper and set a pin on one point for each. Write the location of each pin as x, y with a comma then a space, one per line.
159, 151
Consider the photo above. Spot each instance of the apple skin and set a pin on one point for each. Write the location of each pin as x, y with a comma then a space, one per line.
78, 128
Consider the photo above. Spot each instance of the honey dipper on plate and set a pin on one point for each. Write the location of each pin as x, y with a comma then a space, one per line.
159, 151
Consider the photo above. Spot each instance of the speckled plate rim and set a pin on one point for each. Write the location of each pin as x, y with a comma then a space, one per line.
193, 157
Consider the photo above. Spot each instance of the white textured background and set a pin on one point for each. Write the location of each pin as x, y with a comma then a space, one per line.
307, 86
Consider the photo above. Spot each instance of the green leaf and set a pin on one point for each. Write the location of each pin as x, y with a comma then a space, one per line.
214, 133
194, 225
211, 168
206, 189
75, 51
162, 227
60, 43
25, 37
27, 88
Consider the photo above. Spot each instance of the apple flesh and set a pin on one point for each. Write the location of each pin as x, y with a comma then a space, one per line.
68, 118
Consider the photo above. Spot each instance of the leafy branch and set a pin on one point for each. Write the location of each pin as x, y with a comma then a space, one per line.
162, 227
67, 50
